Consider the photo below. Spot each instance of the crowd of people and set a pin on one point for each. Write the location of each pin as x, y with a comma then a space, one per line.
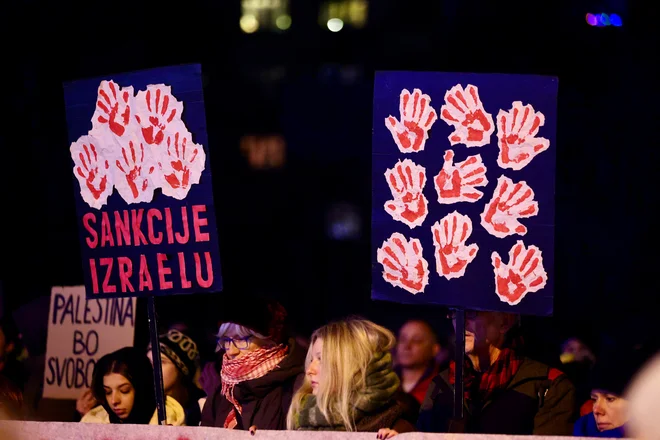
353, 375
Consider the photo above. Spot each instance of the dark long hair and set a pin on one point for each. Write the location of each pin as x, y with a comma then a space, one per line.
135, 366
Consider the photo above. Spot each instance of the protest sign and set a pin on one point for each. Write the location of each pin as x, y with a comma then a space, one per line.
143, 185
80, 332
463, 175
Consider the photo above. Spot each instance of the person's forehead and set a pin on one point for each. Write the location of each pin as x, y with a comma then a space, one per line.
414, 328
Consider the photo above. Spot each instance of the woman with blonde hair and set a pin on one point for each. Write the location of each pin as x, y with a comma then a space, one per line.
350, 384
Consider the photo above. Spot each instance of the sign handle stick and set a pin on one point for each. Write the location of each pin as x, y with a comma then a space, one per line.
155, 355
459, 356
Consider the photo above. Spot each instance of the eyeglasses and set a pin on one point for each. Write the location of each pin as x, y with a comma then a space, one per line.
241, 344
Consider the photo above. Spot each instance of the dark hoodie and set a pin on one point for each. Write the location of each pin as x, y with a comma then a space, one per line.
265, 401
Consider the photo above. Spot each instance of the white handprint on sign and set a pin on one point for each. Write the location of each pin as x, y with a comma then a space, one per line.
92, 169
403, 263
417, 117
138, 176
452, 256
458, 182
516, 136
510, 202
406, 181
523, 274
465, 112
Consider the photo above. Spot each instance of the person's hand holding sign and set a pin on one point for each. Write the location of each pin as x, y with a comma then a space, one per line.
523, 274
451, 254
417, 117
406, 181
86, 402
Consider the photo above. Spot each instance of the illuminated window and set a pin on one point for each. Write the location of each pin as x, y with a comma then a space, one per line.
269, 15
335, 15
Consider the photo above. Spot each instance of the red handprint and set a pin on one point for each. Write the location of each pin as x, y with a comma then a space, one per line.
113, 108
138, 177
417, 117
516, 133
458, 182
449, 237
156, 109
523, 274
406, 181
181, 164
92, 170
465, 112
509, 203
403, 263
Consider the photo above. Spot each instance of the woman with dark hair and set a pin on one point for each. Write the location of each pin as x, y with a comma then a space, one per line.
123, 383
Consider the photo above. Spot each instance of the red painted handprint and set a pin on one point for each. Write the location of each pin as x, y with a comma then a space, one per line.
463, 110
92, 170
417, 117
181, 164
510, 202
403, 263
523, 274
113, 108
138, 176
451, 254
516, 136
406, 181
458, 182
156, 110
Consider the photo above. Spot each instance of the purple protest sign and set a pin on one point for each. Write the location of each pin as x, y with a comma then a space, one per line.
463, 175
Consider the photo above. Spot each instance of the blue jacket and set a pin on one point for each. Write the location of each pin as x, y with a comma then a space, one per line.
586, 426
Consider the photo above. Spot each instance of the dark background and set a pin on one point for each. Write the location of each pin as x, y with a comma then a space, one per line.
315, 87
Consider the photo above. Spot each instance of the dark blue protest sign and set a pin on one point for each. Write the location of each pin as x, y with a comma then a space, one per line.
143, 189
463, 175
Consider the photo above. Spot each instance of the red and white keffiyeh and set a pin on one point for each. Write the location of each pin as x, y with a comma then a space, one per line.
252, 365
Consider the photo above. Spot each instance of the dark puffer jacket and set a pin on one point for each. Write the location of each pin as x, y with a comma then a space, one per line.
538, 400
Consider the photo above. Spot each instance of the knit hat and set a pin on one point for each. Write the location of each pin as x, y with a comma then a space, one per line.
613, 373
181, 350
260, 314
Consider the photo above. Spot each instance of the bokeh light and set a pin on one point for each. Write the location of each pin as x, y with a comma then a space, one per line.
603, 20
249, 23
335, 24
283, 22
591, 19
615, 20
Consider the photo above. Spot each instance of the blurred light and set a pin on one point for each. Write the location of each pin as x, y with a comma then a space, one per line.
335, 24
604, 19
592, 20
249, 23
283, 22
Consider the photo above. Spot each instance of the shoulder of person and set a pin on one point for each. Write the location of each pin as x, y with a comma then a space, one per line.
174, 413
98, 414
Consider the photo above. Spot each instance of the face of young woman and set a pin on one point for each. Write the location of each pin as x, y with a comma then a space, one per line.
120, 394
315, 370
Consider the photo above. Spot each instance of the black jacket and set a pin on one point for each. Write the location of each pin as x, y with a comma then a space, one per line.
538, 400
265, 401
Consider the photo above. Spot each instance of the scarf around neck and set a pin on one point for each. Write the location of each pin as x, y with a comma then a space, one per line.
250, 366
381, 383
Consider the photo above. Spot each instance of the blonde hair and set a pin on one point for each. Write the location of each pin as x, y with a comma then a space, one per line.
237, 330
348, 348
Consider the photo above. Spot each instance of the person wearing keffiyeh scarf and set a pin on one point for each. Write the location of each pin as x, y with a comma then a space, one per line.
505, 392
261, 369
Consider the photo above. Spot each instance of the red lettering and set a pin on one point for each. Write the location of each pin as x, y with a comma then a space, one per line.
199, 222
145, 277
154, 239
138, 236
168, 226
107, 287
106, 230
162, 271
209, 270
122, 229
95, 277
125, 272
183, 238
182, 269
93, 239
